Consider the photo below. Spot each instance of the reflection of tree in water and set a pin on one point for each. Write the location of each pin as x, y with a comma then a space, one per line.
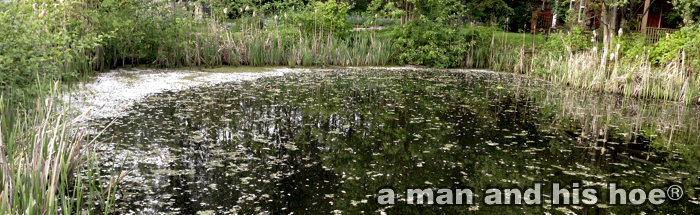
327, 141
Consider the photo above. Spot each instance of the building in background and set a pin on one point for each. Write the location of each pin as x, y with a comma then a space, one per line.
545, 18
653, 18
656, 19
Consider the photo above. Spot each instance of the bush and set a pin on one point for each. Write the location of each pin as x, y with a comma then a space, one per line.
423, 43
667, 48
576, 40
632, 46
670, 48
329, 16
38, 42
429, 38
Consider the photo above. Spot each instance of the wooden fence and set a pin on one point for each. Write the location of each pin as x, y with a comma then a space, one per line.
655, 34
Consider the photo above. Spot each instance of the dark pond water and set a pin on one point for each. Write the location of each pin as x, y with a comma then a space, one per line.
324, 142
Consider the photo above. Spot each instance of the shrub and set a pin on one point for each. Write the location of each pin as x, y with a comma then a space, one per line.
632, 46
667, 48
327, 17
576, 40
38, 42
429, 38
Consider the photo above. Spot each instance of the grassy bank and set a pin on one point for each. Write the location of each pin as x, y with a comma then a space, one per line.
47, 166
303, 38
320, 35
590, 68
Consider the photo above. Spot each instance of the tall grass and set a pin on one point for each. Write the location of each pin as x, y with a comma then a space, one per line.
599, 71
284, 45
166, 39
42, 160
602, 72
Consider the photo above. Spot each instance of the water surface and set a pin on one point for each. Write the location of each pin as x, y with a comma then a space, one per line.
324, 142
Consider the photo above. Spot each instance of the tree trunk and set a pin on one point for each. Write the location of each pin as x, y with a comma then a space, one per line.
645, 19
604, 20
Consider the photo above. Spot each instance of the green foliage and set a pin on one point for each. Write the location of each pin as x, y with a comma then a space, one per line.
425, 43
145, 35
576, 40
521, 17
429, 39
328, 17
486, 10
667, 49
690, 10
370, 21
47, 164
632, 46
671, 48
236, 9
38, 42
385, 8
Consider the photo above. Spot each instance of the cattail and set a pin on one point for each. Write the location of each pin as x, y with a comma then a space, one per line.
247, 8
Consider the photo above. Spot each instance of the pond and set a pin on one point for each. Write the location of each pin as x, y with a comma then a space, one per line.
325, 141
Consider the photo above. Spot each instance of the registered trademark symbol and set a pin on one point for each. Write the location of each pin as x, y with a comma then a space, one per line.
674, 192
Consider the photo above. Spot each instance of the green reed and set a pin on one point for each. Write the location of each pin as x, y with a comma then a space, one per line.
43, 157
594, 70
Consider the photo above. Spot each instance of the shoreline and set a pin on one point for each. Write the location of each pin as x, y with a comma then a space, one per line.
110, 94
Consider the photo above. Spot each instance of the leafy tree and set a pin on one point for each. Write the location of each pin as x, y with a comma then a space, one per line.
237, 8
429, 38
690, 10
326, 18
521, 16
489, 10
38, 42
